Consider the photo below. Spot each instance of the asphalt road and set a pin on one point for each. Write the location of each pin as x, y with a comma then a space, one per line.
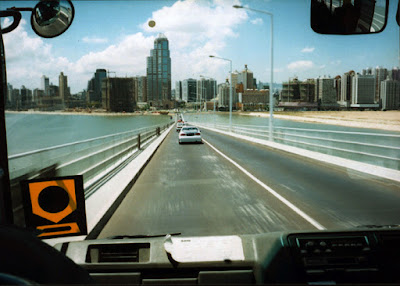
194, 190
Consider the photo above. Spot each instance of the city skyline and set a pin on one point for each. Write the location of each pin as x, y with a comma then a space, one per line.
370, 88
233, 33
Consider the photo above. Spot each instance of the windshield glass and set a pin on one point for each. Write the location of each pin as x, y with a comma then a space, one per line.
107, 95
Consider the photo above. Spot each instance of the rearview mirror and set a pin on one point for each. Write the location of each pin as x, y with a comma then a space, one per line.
51, 18
346, 17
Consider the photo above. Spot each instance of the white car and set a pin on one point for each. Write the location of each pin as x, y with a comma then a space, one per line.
179, 126
189, 134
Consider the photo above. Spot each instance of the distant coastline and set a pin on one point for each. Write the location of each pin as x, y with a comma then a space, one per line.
93, 113
383, 120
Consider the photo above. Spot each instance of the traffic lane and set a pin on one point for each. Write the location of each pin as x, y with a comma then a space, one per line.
191, 189
334, 196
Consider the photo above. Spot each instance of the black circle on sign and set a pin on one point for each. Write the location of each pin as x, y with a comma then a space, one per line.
53, 199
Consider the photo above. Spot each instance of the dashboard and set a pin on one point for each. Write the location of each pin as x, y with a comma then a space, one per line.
325, 257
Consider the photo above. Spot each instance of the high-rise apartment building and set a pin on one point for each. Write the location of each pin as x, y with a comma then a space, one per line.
380, 75
363, 91
178, 90
159, 74
44, 84
390, 94
189, 90
223, 95
26, 97
246, 78
345, 92
63, 87
326, 92
118, 94
94, 86
395, 73
9, 94
206, 89
140, 88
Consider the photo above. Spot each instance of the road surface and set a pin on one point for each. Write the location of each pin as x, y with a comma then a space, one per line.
195, 190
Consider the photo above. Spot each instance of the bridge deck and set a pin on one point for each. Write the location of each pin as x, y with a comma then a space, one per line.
194, 190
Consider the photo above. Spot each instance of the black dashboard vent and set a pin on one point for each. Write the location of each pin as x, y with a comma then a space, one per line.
118, 253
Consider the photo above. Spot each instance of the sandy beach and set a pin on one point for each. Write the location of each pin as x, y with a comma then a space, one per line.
384, 120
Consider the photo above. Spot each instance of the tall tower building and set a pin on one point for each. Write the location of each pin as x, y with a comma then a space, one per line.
63, 85
246, 78
326, 92
178, 90
141, 89
99, 75
159, 74
44, 84
345, 93
390, 94
396, 73
189, 90
380, 75
206, 89
363, 91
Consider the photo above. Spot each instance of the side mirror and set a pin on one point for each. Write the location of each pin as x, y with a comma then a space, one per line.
51, 18
346, 17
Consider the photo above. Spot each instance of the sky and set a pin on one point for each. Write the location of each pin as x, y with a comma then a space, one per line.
115, 35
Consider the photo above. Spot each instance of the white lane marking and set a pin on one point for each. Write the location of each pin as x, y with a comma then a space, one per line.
270, 190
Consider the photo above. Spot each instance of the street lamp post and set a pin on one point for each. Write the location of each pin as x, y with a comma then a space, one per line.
230, 90
271, 104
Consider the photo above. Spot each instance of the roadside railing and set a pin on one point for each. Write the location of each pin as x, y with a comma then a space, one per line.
89, 157
96, 159
367, 147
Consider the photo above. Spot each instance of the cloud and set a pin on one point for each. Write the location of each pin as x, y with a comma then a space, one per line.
128, 56
188, 23
27, 57
308, 50
257, 21
336, 62
300, 65
195, 29
92, 40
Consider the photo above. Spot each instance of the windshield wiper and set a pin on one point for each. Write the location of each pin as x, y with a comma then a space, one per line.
142, 235
379, 225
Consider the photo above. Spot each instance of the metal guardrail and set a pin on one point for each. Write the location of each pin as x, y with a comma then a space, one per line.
76, 157
97, 159
372, 148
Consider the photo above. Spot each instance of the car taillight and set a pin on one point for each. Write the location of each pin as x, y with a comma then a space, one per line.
182, 134
197, 133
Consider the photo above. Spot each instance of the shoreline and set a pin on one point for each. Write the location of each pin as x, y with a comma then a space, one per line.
94, 113
381, 120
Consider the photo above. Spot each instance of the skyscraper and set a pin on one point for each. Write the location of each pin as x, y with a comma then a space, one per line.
189, 90
380, 75
178, 90
63, 84
363, 91
246, 78
206, 89
45, 84
345, 93
159, 74
326, 92
140, 89
94, 86
390, 94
